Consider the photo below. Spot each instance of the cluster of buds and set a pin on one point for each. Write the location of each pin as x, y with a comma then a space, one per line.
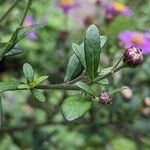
133, 57
105, 98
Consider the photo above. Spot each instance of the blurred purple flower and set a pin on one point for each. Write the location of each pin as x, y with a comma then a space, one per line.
114, 8
137, 39
28, 22
67, 5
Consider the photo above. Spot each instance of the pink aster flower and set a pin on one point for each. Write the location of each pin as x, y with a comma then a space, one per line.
67, 5
137, 39
28, 22
115, 8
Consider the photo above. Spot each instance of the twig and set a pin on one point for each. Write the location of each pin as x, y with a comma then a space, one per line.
9, 10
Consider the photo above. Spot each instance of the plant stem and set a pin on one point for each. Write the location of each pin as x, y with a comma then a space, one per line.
12, 42
114, 70
9, 10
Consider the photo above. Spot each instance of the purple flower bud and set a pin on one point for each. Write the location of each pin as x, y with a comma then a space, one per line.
105, 98
133, 57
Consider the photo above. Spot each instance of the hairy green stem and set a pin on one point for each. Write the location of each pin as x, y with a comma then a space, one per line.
15, 3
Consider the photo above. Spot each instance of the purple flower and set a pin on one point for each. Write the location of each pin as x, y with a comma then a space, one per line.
138, 39
105, 98
28, 22
67, 5
115, 8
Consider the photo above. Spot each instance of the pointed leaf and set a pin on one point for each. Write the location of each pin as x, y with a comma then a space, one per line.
39, 95
74, 107
28, 72
85, 88
92, 48
103, 40
74, 68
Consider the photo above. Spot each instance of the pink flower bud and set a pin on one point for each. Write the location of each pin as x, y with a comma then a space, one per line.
133, 57
105, 98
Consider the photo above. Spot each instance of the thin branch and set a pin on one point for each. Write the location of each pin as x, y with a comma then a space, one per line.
109, 74
9, 10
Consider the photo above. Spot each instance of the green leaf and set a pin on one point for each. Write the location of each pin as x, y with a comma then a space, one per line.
103, 40
40, 80
118, 90
38, 95
79, 51
85, 88
23, 86
92, 48
74, 107
74, 68
25, 31
104, 81
9, 85
105, 71
28, 72
14, 51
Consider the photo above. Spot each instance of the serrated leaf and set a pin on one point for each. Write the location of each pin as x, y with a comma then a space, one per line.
39, 95
79, 51
23, 86
28, 72
40, 80
92, 48
9, 85
74, 68
85, 88
74, 107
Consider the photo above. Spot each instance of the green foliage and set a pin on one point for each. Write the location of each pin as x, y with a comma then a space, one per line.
85, 88
39, 95
28, 72
74, 68
92, 48
75, 106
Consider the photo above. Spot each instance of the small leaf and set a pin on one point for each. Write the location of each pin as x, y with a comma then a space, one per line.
117, 90
9, 85
23, 86
38, 95
74, 68
85, 88
74, 107
15, 51
79, 51
92, 48
40, 80
28, 72
25, 31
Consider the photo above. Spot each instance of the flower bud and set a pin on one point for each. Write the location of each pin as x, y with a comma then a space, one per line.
105, 98
127, 93
133, 57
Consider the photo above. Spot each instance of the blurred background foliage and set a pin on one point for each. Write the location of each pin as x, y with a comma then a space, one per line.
124, 125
